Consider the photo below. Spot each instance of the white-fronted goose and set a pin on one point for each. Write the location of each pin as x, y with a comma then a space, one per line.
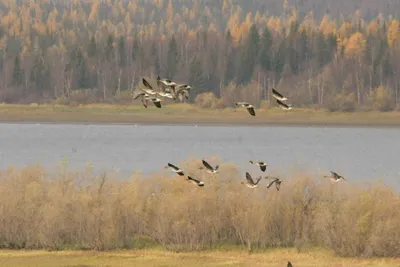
249, 107
175, 169
277, 182
209, 168
195, 181
278, 96
143, 96
261, 164
334, 177
250, 182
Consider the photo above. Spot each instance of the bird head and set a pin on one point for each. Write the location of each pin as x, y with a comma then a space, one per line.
216, 167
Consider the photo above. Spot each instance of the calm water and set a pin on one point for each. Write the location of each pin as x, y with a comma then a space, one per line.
357, 153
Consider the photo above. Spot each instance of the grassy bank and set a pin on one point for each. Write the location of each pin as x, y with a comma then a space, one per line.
185, 114
158, 258
66, 209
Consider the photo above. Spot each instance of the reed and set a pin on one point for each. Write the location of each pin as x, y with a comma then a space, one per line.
69, 209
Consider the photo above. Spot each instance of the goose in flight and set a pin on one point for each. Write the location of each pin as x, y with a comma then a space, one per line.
209, 168
175, 169
260, 164
249, 107
165, 84
335, 177
250, 182
143, 96
277, 182
283, 105
278, 96
195, 181
149, 89
183, 91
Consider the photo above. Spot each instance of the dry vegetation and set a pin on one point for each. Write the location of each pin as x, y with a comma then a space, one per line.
162, 258
80, 210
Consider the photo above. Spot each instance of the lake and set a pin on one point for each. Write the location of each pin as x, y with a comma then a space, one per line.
356, 153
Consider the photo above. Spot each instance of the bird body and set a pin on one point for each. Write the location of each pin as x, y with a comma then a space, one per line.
283, 105
156, 101
261, 164
248, 106
165, 94
143, 98
278, 96
209, 168
195, 181
335, 177
175, 169
250, 182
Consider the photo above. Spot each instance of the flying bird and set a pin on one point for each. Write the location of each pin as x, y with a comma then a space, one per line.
260, 164
335, 177
250, 182
283, 105
249, 107
143, 96
195, 181
175, 169
183, 91
277, 182
209, 168
163, 84
278, 96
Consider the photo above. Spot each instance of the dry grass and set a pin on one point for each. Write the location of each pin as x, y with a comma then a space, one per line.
186, 113
159, 258
79, 210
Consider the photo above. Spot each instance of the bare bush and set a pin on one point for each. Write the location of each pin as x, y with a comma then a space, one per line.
343, 101
86, 211
207, 100
381, 99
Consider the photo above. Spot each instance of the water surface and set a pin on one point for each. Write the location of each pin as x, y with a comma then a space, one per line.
357, 153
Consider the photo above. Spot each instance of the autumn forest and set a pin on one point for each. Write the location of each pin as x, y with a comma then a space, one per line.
340, 55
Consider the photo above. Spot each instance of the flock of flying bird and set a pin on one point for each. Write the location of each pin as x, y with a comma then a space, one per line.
334, 177
172, 90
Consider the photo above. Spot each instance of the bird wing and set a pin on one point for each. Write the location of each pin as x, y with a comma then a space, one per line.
249, 179
173, 166
144, 102
274, 92
282, 104
263, 168
258, 180
138, 95
251, 111
157, 104
272, 182
146, 84
241, 103
277, 185
208, 166
289, 264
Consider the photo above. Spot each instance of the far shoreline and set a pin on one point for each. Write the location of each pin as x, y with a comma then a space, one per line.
189, 115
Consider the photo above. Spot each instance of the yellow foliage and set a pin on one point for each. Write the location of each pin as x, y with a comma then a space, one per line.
327, 27
373, 28
274, 24
346, 29
355, 47
393, 33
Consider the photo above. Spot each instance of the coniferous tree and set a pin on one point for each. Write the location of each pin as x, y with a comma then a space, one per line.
248, 57
17, 72
92, 47
172, 58
196, 78
121, 52
266, 50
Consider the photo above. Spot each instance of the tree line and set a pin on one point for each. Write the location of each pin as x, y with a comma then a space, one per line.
99, 50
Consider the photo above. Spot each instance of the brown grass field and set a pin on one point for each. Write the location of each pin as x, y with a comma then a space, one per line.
160, 258
189, 114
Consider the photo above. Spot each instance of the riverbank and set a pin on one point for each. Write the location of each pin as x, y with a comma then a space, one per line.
144, 258
188, 114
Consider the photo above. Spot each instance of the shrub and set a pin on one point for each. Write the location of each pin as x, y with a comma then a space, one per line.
81, 210
343, 101
207, 100
381, 99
